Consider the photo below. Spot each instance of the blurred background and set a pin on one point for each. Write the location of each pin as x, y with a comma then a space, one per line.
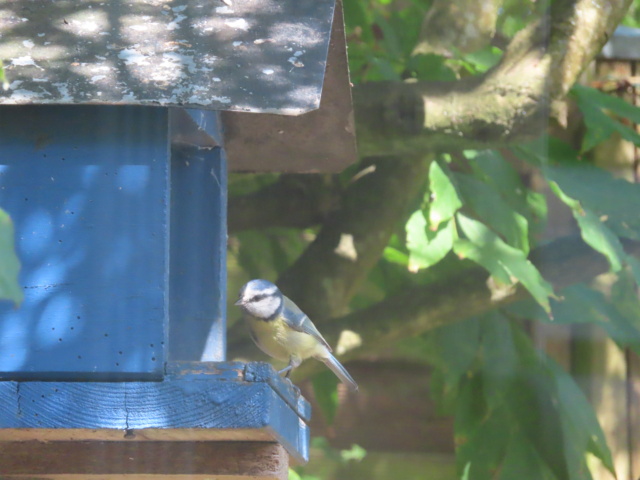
477, 270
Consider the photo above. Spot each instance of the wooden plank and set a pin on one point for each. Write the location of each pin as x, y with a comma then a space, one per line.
166, 460
200, 404
87, 189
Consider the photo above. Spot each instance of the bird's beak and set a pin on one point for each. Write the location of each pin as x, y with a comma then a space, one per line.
238, 302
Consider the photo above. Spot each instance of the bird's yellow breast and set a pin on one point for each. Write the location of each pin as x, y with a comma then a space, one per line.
277, 339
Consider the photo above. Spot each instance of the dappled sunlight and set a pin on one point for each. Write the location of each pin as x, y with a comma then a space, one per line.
262, 56
90, 224
347, 341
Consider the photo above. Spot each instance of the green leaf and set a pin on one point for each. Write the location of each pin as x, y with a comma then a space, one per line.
384, 69
595, 233
597, 190
394, 255
444, 200
522, 461
430, 67
581, 424
481, 435
390, 38
483, 59
494, 211
501, 260
500, 357
600, 125
581, 304
490, 167
3, 77
426, 247
453, 348
356, 452
532, 402
326, 394
293, 475
9, 264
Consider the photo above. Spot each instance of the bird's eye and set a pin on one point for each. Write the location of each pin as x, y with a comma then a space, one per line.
258, 297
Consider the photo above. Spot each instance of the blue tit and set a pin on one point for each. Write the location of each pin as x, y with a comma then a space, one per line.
283, 331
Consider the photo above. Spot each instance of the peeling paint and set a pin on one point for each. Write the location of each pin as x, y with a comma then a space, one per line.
215, 53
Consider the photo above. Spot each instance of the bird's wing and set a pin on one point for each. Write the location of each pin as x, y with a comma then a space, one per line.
299, 321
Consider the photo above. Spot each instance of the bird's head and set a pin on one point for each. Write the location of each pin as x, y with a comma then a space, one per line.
261, 299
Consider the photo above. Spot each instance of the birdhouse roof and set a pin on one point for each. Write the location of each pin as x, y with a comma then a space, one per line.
264, 56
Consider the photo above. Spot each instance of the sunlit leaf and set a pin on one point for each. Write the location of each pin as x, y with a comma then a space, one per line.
394, 255
501, 260
444, 200
427, 247
355, 453
482, 60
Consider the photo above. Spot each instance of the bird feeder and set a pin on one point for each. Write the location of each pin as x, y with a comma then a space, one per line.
113, 163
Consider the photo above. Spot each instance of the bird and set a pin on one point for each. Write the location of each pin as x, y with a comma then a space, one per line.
283, 331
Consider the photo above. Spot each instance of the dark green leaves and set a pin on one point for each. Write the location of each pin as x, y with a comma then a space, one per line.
596, 108
9, 263
518, 414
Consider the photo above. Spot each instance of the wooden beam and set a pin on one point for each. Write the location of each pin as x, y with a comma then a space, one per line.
196, 401
143, 460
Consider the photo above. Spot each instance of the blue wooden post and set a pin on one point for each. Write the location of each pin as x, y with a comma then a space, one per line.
198, 249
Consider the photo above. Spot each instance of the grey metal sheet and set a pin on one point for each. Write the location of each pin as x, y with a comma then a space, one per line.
240, 55
624, 44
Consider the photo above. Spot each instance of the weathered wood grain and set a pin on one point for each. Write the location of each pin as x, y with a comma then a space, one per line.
211, 401
166, 460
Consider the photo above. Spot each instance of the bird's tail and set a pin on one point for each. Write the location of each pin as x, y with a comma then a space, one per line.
341, 372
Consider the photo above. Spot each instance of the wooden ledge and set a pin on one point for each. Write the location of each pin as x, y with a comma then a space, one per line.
198, 405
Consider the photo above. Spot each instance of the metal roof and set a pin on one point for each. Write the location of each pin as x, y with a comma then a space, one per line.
237, 55
624, 44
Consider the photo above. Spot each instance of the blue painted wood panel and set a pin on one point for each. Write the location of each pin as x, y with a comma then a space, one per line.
198, 249
217, 396
87, 189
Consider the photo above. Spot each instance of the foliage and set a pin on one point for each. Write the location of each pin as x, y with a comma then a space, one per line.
518, 413
3, 77
338, 457
9, 263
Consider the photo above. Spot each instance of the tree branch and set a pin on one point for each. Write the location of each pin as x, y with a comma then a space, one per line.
331, 269
510, 103
296, 201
